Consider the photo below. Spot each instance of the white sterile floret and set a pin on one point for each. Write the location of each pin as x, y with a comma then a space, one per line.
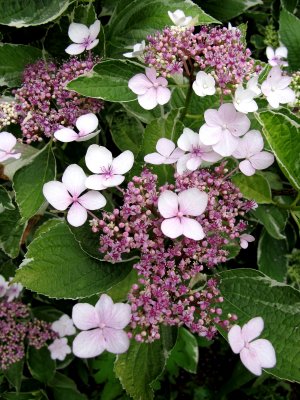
167, 153
276, 89
138, 50
86, 125
244, 100
204, 85
179, 19
275, 57
64, 326
59, 349
84, 38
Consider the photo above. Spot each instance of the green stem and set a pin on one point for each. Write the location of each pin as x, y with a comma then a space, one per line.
187, 101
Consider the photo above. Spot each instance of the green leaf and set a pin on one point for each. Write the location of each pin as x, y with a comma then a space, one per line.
289, 34
143, 363
273, 219
283, 136
272, 256
185, 352
133, 108
120, 291
249, 293
5, 200
19, 13
40, 364
64, 388
289, 5
229, 8
85, 14
133, 20
70, 273
28, 182
108, 81
88, 241
11, 232
11, 166
14, 374
13, 60
254, 187
35, 395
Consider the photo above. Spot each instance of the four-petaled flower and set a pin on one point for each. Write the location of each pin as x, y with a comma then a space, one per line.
64, 326
254, 354
222, 129
175, 208
108, 171
102, 327
245, 239
86, 125
275, 57
84, 38
276, 89
250, 147
138, 50
197, 152
7, 143
150, 89
167, 153
67, 193
244, 100
13, 290
59, 349
179, 19
204, 85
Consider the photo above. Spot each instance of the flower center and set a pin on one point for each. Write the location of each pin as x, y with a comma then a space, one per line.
107, 172
197, 151
102, 325
87, 42
180, 214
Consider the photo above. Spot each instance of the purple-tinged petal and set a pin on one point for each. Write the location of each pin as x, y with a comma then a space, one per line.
172, 227
262, 160
89, 344
87, 123
211, 156
78, 32
193, 163
148, 101
270, 53
163, 95
92, 44
210, 135
57, 195
226, 146
94, 29
192, 229
181, 163
235, 339
74, 179
246, 168
165, 147
77, 215
212, 118
7, 141
154, 158
251, 361
95, 182
240, 125
168, 204
97, 158
281, 52
192, 202
227, 113
84, 316
75, 49
104, 308
66, 135
117, 341
120, 316
252, 329
188, 139
249, 145
265, 352
92, 200
114, 180
151, 74
89, 136
139, 84
123, 163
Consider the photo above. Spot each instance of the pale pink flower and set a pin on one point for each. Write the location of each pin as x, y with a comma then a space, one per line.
251, 147
102, 327
254, 354
84, 38
7, 143
13, 290
59, 349
276, 89
86, 125
150, 89
245, 239
3, 286
67, 193
275, 57
64, 326
175, 208
204, 85
179, 19
197, 152
108, 171
167, 153
222, 129
252, 85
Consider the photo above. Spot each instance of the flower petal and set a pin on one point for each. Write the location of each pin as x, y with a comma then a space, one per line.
151, 74
75, 49
87, 123
148, 100
252, 329
165, 147
89, 344
193, 163
246, 168
84, 316
94, 29
262, 160
92, 200
57, 195
74, 179
235, 339
250, 144
98, 157
115, 316
66, 135
7, 141
172, 227
240, 125
104, 307
212, 118
77, 215
163, 95
139, 84
123, 163
117, 341
92, 44
154, 158
211, 156
192, 202
281, 52
226, 146
114, 180
181, 166
188, 139
192, 228
270, 53
265, 352
87, 137
251, 361
78, 32
95, 182
168, 204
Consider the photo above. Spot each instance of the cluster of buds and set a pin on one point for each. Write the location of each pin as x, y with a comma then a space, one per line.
8, 114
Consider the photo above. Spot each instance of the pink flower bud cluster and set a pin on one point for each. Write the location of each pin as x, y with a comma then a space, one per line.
43, 103
167, 268
178, 49
16, 329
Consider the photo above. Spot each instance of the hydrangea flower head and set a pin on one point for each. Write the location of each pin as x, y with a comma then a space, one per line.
175, 209
276, 89
67, 193
222, 129
59, 349
251, 147
64, 326
254, 354
167, 153
204, 85
102, 327
151, 90
7, 144
84, 38
275, 57
86, 125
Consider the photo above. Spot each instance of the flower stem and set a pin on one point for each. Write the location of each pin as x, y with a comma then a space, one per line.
230, 173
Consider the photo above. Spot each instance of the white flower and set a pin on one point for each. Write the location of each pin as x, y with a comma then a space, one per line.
67, 193
13, 291
3, 286
84, 38
59, 349
166, 153
7, 143
231, 28
250, 147
204, 84
275, 57
64, 326
86, 125
108, 171
276, 89
252, 84
197, 152
150, 90
254, 354
245, 239
138, 50
244, 100
179, 19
